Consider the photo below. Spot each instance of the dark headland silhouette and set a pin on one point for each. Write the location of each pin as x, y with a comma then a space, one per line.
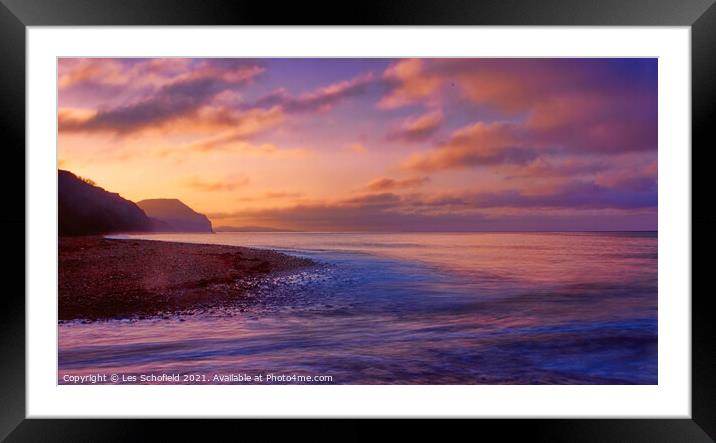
173, 215
87, 209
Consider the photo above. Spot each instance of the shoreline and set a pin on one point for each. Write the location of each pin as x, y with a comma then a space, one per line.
101, 278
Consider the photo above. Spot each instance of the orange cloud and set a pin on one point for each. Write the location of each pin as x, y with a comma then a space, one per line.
241, 125
131, 73
227, 145
269, 150
73, 117
494, 83
452, 211
358, 148
412, 84
271, 195
72, 72
386, 184
214, 186
418, 128
474, 145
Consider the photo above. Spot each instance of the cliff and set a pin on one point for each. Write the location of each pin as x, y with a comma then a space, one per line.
173, 215
86, 209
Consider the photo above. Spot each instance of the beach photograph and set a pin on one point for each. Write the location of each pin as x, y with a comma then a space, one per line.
357, 221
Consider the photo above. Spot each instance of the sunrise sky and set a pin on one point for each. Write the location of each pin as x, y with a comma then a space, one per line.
372, 144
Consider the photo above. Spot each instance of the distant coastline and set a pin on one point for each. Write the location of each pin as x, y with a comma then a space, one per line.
250, 229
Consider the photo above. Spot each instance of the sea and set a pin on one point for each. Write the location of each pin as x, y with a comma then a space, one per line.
403, 308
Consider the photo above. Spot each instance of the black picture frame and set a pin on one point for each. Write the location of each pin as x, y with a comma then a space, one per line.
16, 15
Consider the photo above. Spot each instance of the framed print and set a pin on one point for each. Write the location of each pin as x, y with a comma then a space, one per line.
452, 211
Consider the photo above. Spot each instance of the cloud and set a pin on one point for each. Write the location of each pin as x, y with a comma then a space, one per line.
410, 84
282, 194
270, 150
358, 148
73, 72
132, 73
188, 95
73, 117
567, 126
417, 129
380, 200
578, 105
573, 195
478, 144
387, 184
541, 136
596, 124
139, 73
319, 100
577, 205
517, 84
556, 167
514, 85
230, 143
271, 195
171, 102
241, 126
216, 186
637, 178
326, 218
364, 213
